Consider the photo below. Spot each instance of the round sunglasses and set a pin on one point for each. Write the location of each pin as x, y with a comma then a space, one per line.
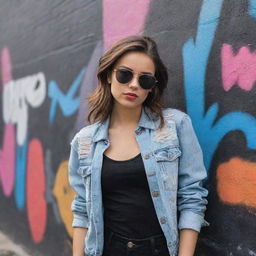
124, 76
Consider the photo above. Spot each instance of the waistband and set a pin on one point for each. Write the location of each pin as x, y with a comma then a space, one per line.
151, 239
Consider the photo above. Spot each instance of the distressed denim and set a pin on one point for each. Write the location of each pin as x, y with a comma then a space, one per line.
174, 168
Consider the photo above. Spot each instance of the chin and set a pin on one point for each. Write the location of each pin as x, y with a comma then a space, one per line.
131, 105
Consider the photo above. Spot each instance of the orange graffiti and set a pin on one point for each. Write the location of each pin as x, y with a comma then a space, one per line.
64, 196
236, 182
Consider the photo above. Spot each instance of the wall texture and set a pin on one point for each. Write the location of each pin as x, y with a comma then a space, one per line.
49, 54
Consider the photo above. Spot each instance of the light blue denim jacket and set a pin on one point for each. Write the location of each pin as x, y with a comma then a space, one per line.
174, 168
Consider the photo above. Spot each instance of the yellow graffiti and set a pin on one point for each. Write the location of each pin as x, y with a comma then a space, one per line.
64, 196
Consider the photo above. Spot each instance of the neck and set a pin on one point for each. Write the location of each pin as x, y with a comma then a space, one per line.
125, 117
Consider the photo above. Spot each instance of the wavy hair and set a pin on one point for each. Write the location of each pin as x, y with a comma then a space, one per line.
101, 100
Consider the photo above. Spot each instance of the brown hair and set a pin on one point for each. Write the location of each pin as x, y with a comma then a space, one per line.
101, 101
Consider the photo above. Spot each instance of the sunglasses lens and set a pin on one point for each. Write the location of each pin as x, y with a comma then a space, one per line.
147, 81
123, 76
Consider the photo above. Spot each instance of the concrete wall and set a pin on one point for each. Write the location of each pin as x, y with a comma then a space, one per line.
49, 53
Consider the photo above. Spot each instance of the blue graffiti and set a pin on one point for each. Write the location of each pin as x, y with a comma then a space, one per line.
67, 102
252, 8
20, 181
195, 57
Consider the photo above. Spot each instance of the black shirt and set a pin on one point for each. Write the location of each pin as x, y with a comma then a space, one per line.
128, 206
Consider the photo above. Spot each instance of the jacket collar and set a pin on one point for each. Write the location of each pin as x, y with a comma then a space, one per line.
147, 120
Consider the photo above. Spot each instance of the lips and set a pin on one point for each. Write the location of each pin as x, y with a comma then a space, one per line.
131, 94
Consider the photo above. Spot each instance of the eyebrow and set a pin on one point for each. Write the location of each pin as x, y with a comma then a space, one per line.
146, 73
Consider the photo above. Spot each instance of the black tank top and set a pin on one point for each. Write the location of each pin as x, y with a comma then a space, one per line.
128, 206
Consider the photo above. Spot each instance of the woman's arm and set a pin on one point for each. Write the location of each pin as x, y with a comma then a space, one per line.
191, 194
80, 217
188, 239
78, 241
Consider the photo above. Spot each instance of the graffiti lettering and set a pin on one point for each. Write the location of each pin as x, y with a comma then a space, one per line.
67, 103
36, 203
252, 8
238, 69
17, 95
20, 181
7, 154
236, 182
7, 160
64, 195
195, 56
130, 19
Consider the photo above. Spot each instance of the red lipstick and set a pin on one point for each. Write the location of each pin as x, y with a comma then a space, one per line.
130, 95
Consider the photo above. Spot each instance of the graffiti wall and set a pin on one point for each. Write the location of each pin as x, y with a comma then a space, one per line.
49, 55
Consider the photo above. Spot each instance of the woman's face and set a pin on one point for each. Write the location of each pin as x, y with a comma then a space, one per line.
131, 94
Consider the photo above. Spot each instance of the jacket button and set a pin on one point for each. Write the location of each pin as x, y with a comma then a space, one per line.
170, 156
146, 156
162, 220
138, 132
130, 244
155, 194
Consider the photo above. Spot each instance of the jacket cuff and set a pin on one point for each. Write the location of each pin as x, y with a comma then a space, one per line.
80, 221
191, 220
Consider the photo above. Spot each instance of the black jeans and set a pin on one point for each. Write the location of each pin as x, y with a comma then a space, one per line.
117, 245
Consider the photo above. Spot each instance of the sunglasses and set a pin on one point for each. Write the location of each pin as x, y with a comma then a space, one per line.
124, 76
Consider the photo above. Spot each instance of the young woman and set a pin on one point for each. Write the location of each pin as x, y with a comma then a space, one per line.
138, 167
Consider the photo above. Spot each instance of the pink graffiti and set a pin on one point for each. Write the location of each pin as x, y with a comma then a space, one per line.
7, 160
36, 204
239, 69
7, 153
123, 18
6, 66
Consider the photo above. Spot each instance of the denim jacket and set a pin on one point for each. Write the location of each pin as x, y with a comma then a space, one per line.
174, 168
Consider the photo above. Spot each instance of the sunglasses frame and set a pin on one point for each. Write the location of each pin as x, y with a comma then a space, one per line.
133, 73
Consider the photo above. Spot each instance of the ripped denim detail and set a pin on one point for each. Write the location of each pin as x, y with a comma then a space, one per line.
84, 146
165, 134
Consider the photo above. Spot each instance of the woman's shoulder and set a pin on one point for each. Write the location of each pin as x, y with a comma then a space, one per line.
174, 114
85, 134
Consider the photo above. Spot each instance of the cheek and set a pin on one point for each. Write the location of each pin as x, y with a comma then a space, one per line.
115, 90
144, 96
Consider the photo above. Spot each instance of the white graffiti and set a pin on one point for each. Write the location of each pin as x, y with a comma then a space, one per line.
17, 96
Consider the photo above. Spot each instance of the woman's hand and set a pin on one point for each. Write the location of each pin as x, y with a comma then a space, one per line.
78, 241
188, 239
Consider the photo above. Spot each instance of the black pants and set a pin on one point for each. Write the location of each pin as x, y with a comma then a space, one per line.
117, 245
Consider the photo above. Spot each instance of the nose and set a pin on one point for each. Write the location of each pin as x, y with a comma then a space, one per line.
134, 83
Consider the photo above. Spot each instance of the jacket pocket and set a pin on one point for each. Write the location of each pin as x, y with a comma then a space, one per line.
167, 153
85, 172
167, 160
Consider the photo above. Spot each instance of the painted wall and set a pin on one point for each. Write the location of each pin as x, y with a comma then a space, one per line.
49, 54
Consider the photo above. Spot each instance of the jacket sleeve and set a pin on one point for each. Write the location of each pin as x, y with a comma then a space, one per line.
191, 198
78, 206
